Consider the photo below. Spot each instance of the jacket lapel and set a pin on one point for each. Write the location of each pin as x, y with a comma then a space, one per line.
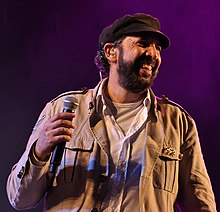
154, 144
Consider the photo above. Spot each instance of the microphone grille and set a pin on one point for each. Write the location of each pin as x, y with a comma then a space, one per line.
70, 103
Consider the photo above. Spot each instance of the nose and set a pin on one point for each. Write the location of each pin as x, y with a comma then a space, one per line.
152, 51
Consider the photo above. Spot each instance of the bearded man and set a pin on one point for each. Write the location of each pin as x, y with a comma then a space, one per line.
125, 149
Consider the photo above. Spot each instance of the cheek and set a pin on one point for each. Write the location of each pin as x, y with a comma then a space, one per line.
159, 61
131, 56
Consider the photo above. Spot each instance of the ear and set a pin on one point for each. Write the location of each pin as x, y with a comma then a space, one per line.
110, 52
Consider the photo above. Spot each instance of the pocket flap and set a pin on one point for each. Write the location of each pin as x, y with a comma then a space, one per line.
171, 153
81, 143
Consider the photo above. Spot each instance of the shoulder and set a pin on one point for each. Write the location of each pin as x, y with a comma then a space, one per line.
82, 91
164, 101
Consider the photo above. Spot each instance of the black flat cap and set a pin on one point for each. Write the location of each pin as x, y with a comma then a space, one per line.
130, 24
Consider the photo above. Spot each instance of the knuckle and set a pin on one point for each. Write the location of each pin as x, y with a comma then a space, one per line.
61, 121
63, 129
57, 116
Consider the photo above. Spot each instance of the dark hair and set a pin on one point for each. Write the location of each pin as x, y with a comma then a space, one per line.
101, 61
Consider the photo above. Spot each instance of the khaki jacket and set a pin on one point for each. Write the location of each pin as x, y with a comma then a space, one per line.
173, 176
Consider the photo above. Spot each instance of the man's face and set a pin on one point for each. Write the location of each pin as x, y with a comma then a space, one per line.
138, 62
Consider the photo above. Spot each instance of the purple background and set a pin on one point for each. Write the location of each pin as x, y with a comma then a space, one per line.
48, 47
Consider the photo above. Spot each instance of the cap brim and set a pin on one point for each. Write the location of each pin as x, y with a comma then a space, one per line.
163, 39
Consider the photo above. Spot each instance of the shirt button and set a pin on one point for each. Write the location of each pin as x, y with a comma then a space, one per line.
94, 210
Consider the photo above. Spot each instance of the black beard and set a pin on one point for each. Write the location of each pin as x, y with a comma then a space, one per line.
129, 77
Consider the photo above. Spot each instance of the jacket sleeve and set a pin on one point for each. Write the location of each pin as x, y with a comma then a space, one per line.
28, 182
195, 192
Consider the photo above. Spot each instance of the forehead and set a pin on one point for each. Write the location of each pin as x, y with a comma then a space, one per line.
148, 37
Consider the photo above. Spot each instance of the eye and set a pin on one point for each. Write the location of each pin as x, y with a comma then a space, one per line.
158, 47
142, 43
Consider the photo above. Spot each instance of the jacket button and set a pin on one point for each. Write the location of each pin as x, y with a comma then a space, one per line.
21, 172
94, 210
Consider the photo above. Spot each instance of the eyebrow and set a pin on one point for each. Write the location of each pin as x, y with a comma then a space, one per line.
149, 38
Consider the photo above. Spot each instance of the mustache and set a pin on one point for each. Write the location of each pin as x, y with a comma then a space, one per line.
145, 60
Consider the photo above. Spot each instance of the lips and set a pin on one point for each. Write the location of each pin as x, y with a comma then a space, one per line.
147, 66
146, 70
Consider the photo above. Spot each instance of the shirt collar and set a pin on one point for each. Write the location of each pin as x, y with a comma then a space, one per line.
100, 97
100, 102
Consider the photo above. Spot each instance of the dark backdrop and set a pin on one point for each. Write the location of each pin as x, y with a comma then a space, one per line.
47, 47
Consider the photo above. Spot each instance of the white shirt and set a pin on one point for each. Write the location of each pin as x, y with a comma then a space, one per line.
126, 129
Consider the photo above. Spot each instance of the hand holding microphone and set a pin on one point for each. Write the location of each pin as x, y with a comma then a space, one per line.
70, 105
56, 132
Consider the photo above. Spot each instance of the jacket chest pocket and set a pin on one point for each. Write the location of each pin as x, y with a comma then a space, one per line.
75, 163
83, 162
165, 175
76, 158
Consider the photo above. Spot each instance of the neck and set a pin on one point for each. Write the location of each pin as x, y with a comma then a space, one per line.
120, 95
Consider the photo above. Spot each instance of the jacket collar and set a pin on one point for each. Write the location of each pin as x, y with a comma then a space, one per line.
97, 95
153, 113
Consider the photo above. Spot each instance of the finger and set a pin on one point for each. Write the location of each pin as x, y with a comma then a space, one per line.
50, 125
61, 138
55, 136
62, 131
62, 123
64, 115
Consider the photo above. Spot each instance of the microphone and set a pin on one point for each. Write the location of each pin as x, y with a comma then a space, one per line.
69, 105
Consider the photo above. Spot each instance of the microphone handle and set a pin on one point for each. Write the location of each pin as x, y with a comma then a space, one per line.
56, 157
